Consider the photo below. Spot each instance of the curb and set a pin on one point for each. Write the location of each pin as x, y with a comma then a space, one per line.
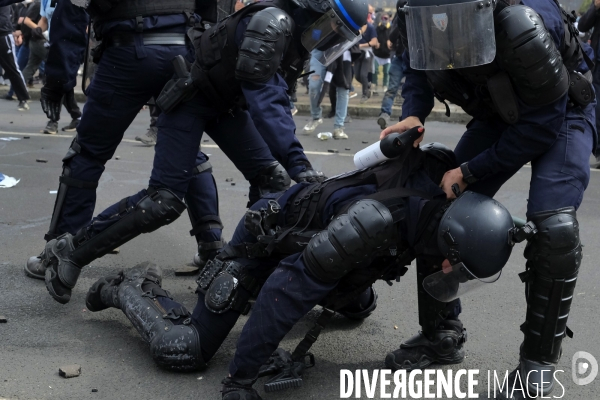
355, 111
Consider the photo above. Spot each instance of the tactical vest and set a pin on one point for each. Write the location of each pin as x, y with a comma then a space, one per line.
217, 52
106, 10
487, 91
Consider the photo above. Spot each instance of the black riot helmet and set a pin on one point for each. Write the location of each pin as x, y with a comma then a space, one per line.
475, 236
449, 34
337, 27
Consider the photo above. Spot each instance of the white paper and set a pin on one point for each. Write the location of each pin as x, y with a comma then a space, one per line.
328, 76
8, 181
9, 139
347, 56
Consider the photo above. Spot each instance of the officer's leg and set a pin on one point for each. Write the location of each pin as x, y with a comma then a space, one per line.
175, 156
166, 325
559, 179
395, 77
237, 136
300, 281
202, 200
442, 335
596, 83
110, 98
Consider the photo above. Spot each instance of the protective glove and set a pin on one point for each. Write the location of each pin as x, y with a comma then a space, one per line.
51, 99
180, 88
310, 175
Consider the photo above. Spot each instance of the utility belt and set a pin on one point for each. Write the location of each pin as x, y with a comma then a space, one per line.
148, 39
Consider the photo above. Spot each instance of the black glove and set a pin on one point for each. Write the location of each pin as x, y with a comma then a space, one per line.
310, 175
51, 99
178, 89
37, 34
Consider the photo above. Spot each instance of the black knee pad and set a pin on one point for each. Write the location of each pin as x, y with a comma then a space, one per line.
177, 348
349, 241
553, 258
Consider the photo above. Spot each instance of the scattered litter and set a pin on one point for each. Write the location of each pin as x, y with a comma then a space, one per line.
70, 371
232, 183
115, 251
26, 137
325, 135
94, 390
333, 151
199, 378
11, 122
205, 140
117, 158
42, 160
395, 326
3, 319
53, 191
9, 139
365, 141
8, 181
347, 149
228, 179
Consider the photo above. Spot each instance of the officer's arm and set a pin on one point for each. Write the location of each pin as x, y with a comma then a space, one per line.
416, 91
533, 135
588, 20
539, 124
269, 107
67, 45
261, 50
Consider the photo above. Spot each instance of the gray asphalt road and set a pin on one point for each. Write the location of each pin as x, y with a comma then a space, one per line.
41, 335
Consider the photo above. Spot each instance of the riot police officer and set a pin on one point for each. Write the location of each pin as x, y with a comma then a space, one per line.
522, 74
322, 242
247, 57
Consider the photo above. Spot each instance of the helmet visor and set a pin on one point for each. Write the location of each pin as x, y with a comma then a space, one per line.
451, 35
452, 283
329, 32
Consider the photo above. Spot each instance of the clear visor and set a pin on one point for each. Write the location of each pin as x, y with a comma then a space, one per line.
331, 54
450, 36
452, 283
327, 32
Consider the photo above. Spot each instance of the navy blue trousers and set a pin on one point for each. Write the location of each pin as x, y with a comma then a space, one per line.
123, 83
270, 320
559, 177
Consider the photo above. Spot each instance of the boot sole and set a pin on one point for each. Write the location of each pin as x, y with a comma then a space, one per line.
424, 362
382, 123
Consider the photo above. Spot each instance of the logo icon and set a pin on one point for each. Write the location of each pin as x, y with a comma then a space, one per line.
440, 21
584, 363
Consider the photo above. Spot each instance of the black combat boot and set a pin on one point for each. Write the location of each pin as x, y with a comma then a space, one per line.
105, 292
239, 389
444, 346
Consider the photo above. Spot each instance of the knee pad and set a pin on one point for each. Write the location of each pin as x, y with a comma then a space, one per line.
227, 286
553, 259
177, 348
160, 207
349, 241
358, 311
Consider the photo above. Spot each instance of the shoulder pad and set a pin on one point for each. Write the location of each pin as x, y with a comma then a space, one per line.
526, 51
265, 41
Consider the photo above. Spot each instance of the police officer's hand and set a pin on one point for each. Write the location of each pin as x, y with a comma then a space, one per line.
454, 176
310, 175
403, 126
51, 99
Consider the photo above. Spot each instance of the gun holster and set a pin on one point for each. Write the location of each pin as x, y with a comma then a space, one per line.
179, 89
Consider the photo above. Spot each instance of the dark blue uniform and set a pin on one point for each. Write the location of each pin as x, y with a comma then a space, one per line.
296, 291
556, 139
125, 79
